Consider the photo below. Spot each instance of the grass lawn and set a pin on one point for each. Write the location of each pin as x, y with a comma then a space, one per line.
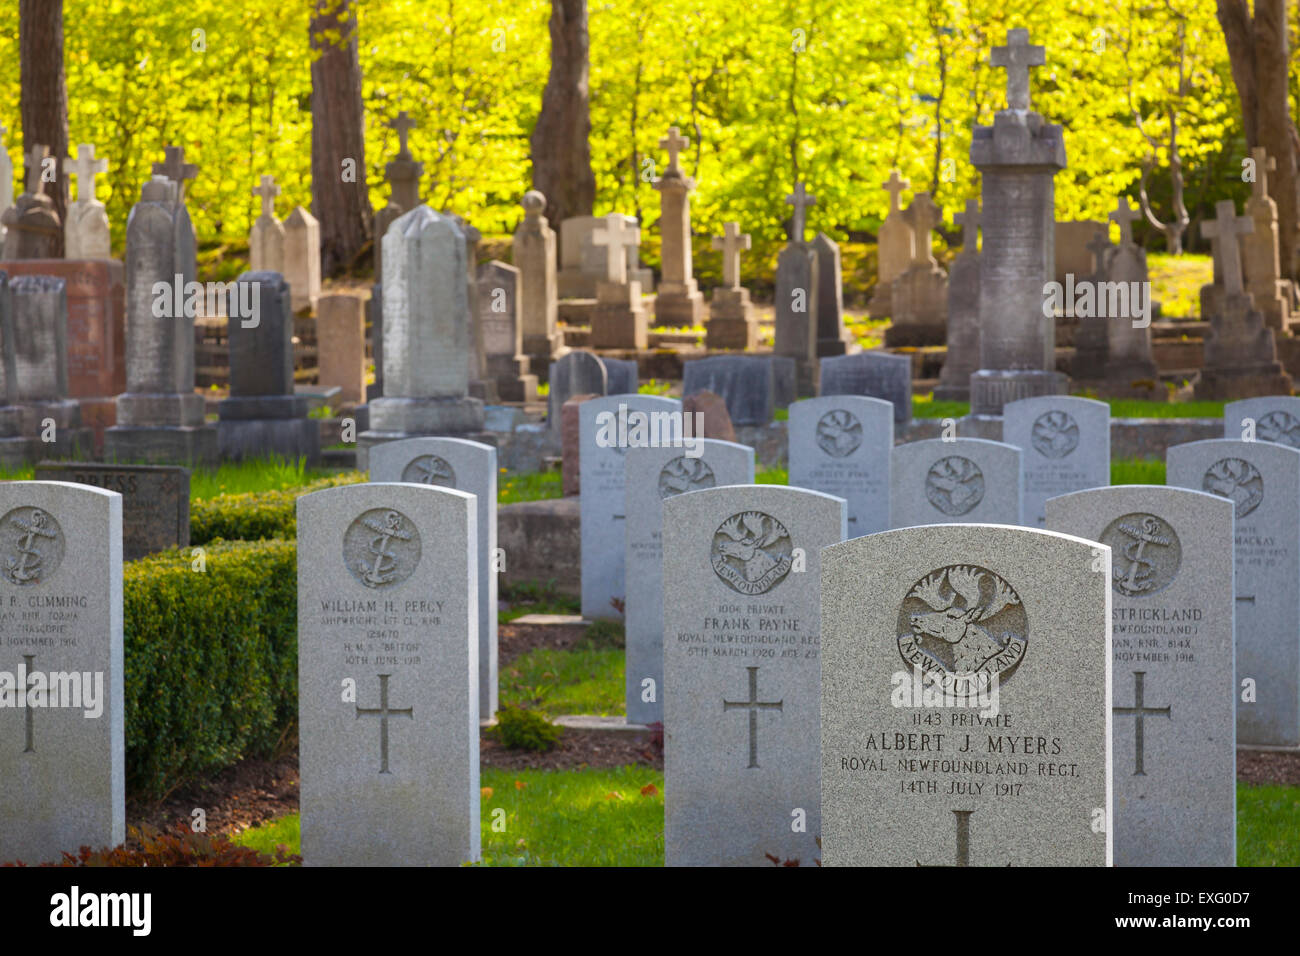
1268, 825
585, 680
533, 486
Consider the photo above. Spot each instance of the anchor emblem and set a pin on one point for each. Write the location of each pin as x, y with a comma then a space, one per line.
27, 566
382, 569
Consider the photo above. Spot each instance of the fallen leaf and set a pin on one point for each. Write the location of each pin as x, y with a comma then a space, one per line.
519, 785
613, 795
649, 790
486, 792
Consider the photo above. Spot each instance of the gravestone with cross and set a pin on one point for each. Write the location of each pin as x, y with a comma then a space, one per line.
936, 481
1130, 366
403, 174
619, 319
32, 226
965, 699
1260, 257
798, 282
678, 301
176, 169
962, 341
607, 428
86, 233
388, 684
1173, 690
1262, 479
741, 671
1064, 444
1017, 158
653, 476
732, 323
533, 253
266, 239
471, 467
840, 445
894, 247
6, 177
582, 262
1240, 351
920, 295
62, 742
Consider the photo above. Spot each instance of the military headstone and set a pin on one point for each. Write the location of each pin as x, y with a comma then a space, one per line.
1274, 418
963, 481
1064, 446
840, 445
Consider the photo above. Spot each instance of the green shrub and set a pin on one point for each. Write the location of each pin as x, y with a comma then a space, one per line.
521, 729
211, 659
256, 515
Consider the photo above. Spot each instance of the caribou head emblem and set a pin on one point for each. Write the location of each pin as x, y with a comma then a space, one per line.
955, 615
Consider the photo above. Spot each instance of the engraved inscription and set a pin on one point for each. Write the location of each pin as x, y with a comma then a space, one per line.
1279, 427
684, 474
752, 552
33, 545
839, 433
954, 485
1146, 554
1237, 479
1055, 434
381, 547
430, 470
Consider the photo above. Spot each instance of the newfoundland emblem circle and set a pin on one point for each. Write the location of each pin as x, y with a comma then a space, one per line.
1145, 554
1279, 427
1055, 434
1237, 479
684, 474
33, 545
752, 552
430, 470
381, 547
839, 433
962, 625
954, 485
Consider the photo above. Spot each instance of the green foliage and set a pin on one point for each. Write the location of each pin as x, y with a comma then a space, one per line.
772, 476
521, 729
535, 597
1176, 283
1267, 820
605, 633
256, 515
1137, 471
925, 406
148, 846
530, 486
654, 387
211, 659
254, 474
1132, 408
587, 679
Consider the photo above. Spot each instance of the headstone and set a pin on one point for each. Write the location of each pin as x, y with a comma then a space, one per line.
583, 262
1262, 479
741, 673
961, 359
732, 323
160, 419
341, 345
840, 445
894, 248
266, 240
1240, 352
426, 335
919, 297
578, 372
873, 374
714, 420
32, 226
832, 337
502, 332
1272, 293
375, 338
571, 445
1129, 334
653, 475
86, 232
263, 418
797, 283
621, 375
619, 319
302, 258
962, 481
387, 577
1073, 255
175, 170
471, 467
1091, 359
1173, 687
62, 754
533, 252
1017, 158
678, 301
6, 179
155, 500
403, 174
1064, 446
1274, 418
608, 426
914, 771
747, 383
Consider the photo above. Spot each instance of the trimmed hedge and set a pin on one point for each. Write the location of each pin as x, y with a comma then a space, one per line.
256, 515
211, 659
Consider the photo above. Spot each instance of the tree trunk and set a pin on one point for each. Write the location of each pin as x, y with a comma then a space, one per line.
340, 200
1258, 52
44, 97
561, 151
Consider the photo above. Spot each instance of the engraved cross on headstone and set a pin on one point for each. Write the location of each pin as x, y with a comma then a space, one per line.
383, 712
1017, 57
29, 660
1123, 214
753, 705
1139, 712
176, 169
35, 162
730, 244
970, 224
963, 841
403, 124
894, 186
1226, 227
801, 200
1264, 164
85, 167
674, 142
616, 234
924, 215
268, 191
